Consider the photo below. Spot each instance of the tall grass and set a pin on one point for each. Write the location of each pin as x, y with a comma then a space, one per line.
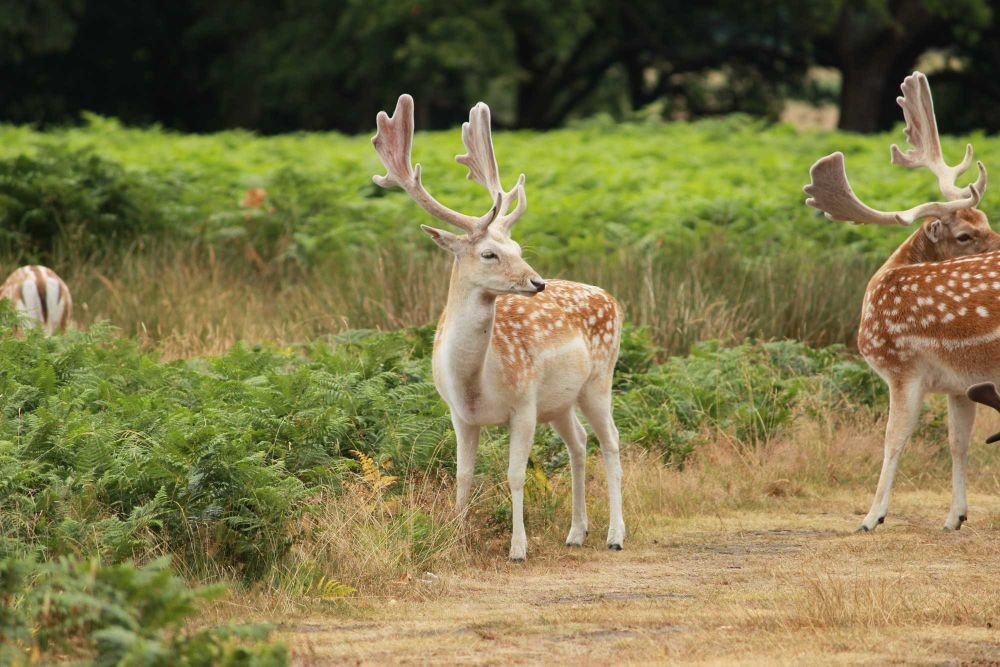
188, 299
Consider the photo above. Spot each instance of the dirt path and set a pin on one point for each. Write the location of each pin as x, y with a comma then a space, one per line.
791, 585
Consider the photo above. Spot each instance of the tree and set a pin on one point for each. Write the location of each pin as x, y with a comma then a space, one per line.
876, 43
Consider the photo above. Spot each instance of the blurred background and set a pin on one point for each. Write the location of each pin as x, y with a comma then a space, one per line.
200, 172
200, 66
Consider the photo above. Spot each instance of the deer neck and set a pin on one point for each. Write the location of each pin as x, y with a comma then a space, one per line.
915, 250
464, 334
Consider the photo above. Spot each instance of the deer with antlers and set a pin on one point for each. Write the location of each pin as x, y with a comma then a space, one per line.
930, 320
511, 348
40, 296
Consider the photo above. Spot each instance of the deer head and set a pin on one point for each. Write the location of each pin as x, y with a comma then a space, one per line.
952, 228
486, 257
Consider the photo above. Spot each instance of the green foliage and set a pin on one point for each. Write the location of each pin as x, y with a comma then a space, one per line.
749, 392
117, 615
594, 189
107, 452
75, 199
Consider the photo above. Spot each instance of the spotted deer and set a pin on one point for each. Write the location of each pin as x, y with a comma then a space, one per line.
40, 296
511, 348
930, 320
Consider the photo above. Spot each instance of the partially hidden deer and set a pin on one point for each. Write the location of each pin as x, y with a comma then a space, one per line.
40, 296
511, 348
930, 320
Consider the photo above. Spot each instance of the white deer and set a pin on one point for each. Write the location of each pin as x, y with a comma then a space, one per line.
930, 322
40, 296
511, 348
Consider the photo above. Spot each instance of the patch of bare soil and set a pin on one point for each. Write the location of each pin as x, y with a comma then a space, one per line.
789, 585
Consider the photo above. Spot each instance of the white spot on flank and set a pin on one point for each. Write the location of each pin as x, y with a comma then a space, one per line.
982, 312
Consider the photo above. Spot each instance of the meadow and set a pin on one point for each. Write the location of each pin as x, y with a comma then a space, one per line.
247, 403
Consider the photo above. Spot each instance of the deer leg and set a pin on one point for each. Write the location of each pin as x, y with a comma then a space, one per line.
522, 434
904, 409
595, 401
961, 416
570, 429
467, 439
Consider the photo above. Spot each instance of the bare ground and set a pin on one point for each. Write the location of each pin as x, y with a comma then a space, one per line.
786, 584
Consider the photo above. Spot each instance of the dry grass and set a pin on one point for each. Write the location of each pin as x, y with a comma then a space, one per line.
188, 301
744, 557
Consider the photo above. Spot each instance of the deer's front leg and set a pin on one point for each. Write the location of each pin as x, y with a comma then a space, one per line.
961, 416
904, 409
522, 433
467, 439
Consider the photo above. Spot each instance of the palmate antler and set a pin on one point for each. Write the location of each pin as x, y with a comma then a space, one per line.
922, 133
393, 143
831, 192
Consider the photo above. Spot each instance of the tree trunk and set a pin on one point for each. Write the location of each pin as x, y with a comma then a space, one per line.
872, 53
861, 90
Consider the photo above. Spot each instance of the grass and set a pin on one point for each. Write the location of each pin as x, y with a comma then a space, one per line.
739, 557
187, 300
245, 420
154, 230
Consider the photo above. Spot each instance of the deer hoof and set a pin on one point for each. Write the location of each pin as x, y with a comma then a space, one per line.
615, 547
957, 525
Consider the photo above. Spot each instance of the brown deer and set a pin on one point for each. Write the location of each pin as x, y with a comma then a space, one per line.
40, 296
511, 348
930, 321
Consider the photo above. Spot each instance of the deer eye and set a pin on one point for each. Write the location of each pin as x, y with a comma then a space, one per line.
488, 254
963, 238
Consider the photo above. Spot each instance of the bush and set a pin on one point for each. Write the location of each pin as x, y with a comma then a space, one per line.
117, 615
73, 200
594, 189
106, 451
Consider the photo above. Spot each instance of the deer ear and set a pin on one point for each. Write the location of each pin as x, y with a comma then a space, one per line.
933, 230
446, 240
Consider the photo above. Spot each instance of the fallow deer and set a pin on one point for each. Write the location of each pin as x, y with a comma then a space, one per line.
40, 296
511, 348
930, 320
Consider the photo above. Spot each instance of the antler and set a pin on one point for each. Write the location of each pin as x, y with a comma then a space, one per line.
482, 164
393, 143
831, 193
922, 133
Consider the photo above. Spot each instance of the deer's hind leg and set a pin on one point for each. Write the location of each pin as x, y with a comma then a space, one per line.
905, 400
570, 429
595, 402
961, 417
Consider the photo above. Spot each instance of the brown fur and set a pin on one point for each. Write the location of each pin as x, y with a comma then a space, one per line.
526, 325
941, 298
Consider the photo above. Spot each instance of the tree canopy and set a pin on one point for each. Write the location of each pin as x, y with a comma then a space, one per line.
331, 64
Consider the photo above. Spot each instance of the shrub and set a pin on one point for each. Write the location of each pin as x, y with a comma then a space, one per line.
76, 200
117, 614
106, 451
